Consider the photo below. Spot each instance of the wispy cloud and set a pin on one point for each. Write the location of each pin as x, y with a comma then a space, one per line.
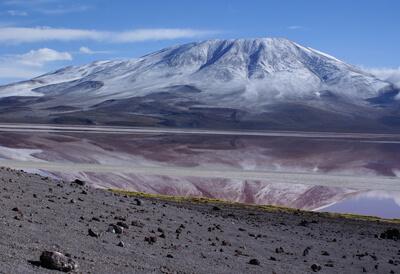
28, 2
29, 35
62, 9
17, 13
48, 7
391, 75
86, 50
140, 35
295, 27
14, 71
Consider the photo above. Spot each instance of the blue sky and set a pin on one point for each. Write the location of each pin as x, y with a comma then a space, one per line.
37, 36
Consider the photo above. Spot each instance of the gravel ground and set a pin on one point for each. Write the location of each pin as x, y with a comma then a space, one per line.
149, 235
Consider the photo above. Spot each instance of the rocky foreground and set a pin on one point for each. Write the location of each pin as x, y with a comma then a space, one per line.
47, 225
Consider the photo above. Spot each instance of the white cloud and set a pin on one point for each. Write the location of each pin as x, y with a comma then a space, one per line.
30, 64
42, 56
17, 13
157, 34
391, 75
28, 35
86, 50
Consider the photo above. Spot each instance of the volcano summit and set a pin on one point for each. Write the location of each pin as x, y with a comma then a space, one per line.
265, 83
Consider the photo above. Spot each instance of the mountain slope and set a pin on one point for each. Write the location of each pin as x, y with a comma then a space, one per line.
245, 83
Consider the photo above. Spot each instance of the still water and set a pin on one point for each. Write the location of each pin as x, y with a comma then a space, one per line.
355, 175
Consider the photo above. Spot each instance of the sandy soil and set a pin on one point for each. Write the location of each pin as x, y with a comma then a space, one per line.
164, 236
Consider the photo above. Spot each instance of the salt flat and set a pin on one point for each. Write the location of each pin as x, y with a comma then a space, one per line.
152, 130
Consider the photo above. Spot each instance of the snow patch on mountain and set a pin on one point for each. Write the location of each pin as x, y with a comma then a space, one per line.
245, 73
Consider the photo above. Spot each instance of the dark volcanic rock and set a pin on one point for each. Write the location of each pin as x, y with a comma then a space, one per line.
117, 229
92, 233
57, 261
325, 253
391, 234
316, 267
137, 223
151, 239
78, 182
137, 202
180, 237
306, 251
254, 262
122, 224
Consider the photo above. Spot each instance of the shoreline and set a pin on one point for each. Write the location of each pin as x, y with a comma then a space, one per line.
267, 208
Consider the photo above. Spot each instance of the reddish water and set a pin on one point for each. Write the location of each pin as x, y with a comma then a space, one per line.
371, 157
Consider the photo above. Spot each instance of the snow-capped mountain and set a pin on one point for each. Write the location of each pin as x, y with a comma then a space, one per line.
244, 83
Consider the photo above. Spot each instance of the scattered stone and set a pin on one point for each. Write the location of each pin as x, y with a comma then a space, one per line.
137, 224
179, 229
57, 261
117, 229
122, 224
151, 239
329, 264
120, 218
225, 243
306, 223
137, 202
303, 223
279, 250
316, 267
254, 262
391, 234
306, 251
78, 182
121, 244
325, 253
92, 233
